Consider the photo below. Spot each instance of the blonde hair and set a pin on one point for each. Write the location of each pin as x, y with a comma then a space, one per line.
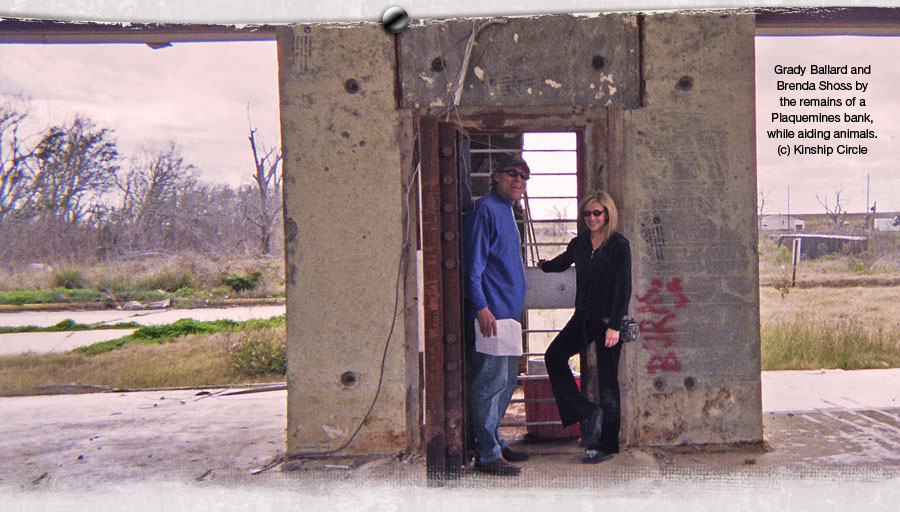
612, 213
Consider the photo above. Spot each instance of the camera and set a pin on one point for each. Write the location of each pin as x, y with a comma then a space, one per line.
629, 330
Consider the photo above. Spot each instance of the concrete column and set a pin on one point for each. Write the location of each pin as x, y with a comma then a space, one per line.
690, 189
344, 220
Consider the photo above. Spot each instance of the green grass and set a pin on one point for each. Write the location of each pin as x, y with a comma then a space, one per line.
184, 353
49, 296
258, 351
186, 326
810, 344
69, 325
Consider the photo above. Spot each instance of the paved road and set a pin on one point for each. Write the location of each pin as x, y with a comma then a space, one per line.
43, 342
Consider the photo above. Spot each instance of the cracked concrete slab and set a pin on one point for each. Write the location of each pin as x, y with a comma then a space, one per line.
192, 448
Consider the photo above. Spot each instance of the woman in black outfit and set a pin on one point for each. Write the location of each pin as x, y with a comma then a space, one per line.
602, 259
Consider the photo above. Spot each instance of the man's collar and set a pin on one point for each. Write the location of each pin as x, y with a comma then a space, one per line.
498, 196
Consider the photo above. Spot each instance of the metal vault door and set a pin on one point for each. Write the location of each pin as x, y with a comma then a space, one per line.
444, 147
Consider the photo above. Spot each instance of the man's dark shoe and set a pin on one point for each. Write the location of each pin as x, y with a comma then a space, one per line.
513, 456
498, 467
592, 456
591, 428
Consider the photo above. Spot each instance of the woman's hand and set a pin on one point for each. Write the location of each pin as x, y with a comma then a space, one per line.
612, 337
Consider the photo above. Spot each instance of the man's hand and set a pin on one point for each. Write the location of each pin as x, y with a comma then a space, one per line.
487, 324
612, 337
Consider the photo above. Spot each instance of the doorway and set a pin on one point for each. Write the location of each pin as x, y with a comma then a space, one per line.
456, 161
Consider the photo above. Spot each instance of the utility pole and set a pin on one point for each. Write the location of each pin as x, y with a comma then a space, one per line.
868, 212
789, 223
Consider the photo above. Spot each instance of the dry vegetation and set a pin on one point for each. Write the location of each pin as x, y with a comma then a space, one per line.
187, 277
842, 314
189, 361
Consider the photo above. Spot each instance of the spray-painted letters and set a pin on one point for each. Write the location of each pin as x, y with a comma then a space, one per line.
660, 304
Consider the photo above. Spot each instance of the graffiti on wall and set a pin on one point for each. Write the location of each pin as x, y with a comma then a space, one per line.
659, 307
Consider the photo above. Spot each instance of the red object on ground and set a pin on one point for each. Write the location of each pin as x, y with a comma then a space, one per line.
538, 387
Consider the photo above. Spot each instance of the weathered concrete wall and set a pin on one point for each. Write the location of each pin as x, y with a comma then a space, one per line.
343, 237
690, 186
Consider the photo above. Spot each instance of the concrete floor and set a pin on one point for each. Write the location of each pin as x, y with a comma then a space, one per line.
190, 449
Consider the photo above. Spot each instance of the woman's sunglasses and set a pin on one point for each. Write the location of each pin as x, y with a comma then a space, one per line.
595, 213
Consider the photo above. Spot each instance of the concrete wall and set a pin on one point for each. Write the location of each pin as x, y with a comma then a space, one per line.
690, 197
343, 237
688, 181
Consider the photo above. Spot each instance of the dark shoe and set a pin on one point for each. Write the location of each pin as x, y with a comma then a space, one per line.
498, 467
592, 456
591, 428
513, 456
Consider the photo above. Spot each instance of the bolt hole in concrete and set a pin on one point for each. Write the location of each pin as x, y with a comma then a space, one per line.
689, 383
351, 86
349, 379
685, 83
659, 383
598, 62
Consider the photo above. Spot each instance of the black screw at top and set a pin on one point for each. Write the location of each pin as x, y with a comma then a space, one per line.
395, 20
351, 86
598, 62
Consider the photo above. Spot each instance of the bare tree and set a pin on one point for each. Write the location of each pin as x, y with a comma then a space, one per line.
14, 156
761, 206
75, 163
837, 212
265, 209
153, 190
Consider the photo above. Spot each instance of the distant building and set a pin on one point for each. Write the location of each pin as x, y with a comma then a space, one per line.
781, 223
887, 224
813, 246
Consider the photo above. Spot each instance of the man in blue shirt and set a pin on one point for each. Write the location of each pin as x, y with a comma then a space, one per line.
495, 290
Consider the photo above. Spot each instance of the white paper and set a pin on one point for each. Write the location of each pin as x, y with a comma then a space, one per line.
507, 342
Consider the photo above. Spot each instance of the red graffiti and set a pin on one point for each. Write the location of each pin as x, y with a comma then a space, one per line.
655, 329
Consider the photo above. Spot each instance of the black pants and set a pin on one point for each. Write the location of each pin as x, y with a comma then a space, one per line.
573, 406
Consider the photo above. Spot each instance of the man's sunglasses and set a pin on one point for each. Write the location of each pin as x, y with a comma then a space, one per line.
595, 213
512, 173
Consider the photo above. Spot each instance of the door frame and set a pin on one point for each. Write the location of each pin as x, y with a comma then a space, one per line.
600, 160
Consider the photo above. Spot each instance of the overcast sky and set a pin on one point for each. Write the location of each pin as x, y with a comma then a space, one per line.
812, 175
196, 94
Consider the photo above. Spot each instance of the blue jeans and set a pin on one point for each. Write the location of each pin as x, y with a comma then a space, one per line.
493, 381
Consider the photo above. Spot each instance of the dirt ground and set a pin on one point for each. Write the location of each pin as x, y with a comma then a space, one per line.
193, 450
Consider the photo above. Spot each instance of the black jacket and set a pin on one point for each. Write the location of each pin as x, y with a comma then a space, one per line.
602, 277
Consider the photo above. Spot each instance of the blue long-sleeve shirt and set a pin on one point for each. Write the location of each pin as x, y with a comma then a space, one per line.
494, 273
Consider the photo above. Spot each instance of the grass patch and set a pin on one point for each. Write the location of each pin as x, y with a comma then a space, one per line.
48, 296
810, 344
258, 351
190, 278
69, 325
151, 334
194, 360
240, 283
69, 278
